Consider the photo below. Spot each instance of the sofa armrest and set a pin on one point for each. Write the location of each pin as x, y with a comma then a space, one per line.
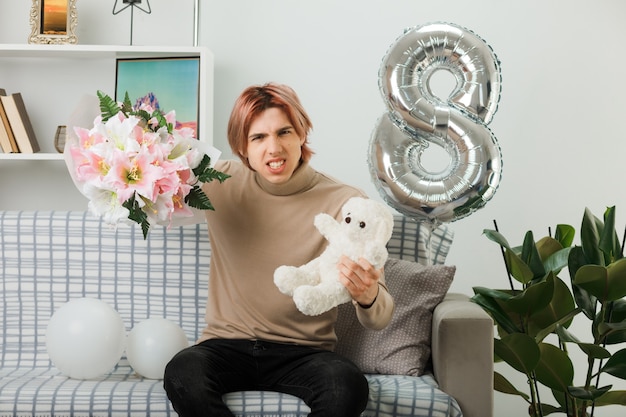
462, 354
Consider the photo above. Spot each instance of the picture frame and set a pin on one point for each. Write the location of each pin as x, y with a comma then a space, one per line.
53, 22
165, 83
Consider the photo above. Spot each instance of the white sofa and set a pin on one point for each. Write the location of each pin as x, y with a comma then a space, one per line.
48, 258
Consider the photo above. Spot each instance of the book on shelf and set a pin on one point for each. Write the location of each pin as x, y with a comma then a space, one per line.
20, 123
7, 140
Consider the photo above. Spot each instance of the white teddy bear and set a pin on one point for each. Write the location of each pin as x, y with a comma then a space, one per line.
365, 230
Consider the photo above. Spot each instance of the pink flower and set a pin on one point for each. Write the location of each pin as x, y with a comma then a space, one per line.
131, 174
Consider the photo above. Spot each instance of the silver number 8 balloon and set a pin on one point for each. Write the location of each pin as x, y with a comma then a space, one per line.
417, 119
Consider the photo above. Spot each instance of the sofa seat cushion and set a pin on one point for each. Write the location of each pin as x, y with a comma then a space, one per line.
44, 391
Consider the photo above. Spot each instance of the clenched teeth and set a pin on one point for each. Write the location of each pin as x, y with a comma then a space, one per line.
276, 164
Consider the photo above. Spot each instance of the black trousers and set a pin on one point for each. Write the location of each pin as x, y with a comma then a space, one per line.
197, 377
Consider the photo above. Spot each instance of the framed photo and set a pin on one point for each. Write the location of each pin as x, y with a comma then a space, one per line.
53, 22
165, 83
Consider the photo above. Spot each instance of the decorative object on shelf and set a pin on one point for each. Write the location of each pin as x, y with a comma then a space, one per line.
7, 138
173, 81
19, 121
533, 319
134, 164
53, 22
132, 4
59, 138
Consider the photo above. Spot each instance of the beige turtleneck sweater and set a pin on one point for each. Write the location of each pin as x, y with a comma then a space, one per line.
256, 227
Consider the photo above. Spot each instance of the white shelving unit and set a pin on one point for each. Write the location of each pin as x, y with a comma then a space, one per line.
52, 80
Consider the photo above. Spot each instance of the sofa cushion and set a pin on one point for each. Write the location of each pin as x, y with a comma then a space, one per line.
420, 242
403, 347
44, 392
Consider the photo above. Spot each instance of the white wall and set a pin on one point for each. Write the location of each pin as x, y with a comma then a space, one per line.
559, 123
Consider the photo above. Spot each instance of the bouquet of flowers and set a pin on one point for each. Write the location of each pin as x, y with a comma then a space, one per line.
134, 164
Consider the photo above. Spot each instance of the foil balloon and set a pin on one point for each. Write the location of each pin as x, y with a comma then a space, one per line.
418, 120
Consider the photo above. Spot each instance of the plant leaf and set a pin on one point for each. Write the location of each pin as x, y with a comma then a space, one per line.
557, 261
501, 384
588, 394
590, 238
518, 268
560, 306
554, 369
497, 237
531, 257
604, 283
591, 350
565, 320
584, 300
486, 298
609, 242
616, 365
518, 350
534, 298
616, 322
612, 398
564, 234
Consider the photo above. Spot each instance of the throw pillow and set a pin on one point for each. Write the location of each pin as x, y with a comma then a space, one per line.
403, 347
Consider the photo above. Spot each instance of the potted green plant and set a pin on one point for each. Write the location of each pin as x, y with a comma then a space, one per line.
534, 314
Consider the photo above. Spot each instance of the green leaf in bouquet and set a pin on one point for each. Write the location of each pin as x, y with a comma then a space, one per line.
198, 199
206, 173
127, 105
137, 215
108, 106
554, 369
161, 120
518, 350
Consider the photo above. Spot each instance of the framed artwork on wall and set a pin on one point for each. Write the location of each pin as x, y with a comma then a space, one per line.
53, 22
164, 83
